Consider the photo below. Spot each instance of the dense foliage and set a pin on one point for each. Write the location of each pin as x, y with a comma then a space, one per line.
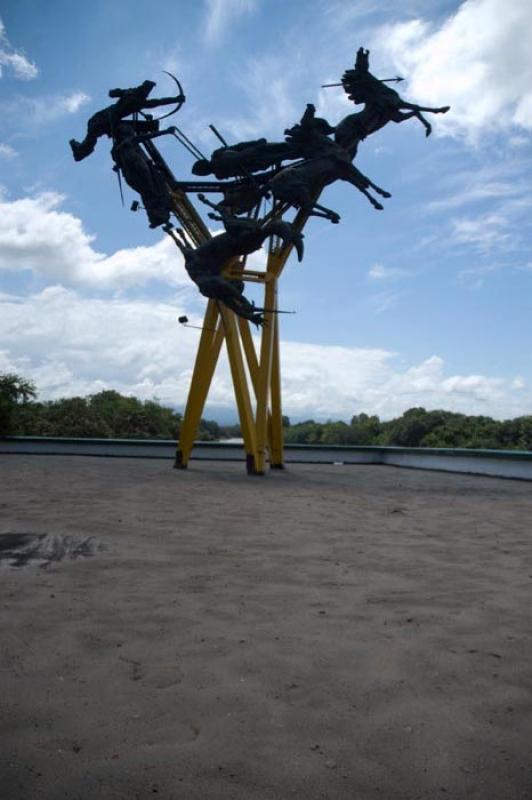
109, 414
14, 392
418, 428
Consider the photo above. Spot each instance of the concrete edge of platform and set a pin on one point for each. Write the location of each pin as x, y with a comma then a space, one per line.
495, 463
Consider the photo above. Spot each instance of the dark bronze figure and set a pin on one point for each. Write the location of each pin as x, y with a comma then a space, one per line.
244, 158
206, 263
307, 139
104, 122
310, 136
382, 105
139, 171
300, 184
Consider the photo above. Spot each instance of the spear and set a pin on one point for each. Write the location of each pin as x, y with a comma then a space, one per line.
397, 79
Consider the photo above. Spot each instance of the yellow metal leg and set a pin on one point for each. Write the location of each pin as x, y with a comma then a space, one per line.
240, 384
253, 367
249, 350
265, 373
264, 430
276, 423
211, 340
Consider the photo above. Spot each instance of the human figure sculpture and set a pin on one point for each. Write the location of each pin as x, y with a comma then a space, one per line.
243, 158
382, 105
307, 139
310, 136
206, 263
139, 171
104, 122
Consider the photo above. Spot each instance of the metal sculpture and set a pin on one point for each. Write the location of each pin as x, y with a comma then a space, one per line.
381, 105
301, 184
139, 171
205, 264
130, 101
288, 174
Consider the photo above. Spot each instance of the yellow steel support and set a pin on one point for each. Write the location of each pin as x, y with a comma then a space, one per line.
242, 396
261, 423
265, 373
276, 435
211, 340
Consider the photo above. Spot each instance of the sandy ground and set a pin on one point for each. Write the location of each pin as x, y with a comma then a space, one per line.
328, 632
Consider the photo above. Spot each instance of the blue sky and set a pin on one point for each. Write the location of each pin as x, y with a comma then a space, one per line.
428, 302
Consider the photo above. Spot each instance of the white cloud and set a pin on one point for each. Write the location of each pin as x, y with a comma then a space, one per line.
47, 109
378, 272
478, 190
485, 232
477, 60
27, 115
14, 60
36, 235
74, 345
220, 14
381, 302
6, 151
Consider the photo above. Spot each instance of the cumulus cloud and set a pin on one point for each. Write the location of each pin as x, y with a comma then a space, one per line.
219, 14
477, 60
15, 61
74, 345
36, 235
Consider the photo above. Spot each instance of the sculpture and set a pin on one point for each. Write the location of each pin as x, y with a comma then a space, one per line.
382, 105
306, 139
139, 171
256, 170
301, 184
242, 237
104, 122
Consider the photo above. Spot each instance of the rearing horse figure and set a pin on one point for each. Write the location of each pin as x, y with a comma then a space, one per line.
382, 105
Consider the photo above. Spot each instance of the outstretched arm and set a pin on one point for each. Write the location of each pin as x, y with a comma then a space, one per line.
144, 137
163, 101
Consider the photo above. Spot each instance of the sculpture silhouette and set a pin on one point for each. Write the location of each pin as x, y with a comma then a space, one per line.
104, 122
300, 184
307, 139
382, 105
139, 171
206, 263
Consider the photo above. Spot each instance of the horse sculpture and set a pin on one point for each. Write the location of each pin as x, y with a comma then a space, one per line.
300, 184
382, 105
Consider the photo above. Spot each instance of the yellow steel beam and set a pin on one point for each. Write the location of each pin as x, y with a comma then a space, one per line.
252, 360
276, 434
265, 372
210, 343
240, 384
264, 430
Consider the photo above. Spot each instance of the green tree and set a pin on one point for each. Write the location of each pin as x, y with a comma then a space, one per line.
14, 391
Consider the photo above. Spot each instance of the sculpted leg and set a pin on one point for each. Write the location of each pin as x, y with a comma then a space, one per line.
97, 126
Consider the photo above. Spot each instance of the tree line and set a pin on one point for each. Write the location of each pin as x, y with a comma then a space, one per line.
109, 414
418, 427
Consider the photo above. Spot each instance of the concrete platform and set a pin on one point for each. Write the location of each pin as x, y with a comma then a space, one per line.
329, 632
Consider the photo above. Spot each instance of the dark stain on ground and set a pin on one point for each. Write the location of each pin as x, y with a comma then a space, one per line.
42, 549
